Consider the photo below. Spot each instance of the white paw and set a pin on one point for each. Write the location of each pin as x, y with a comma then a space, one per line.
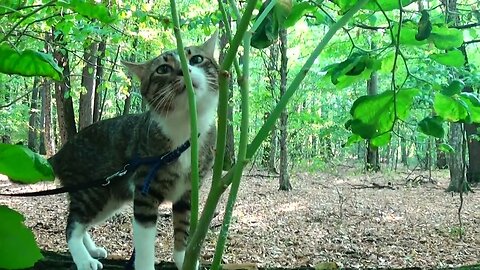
90, 264
98, 252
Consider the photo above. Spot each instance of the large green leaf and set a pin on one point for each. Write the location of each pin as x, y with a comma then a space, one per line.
89, 9
408, 34
298, 11
385, 5
356, 67
433, 126
267, 32
473, 105
453, 58
446, 38
454, 88
375, 115
18, 249
28, 63
449, 108
21, 164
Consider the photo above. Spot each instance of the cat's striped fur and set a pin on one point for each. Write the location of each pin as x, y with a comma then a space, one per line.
105, 147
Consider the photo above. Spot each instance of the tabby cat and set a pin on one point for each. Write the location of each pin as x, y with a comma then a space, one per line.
106, 146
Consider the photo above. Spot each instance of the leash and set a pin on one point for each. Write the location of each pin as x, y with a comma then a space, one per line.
157, 162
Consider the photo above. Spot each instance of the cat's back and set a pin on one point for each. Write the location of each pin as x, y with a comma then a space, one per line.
98, 149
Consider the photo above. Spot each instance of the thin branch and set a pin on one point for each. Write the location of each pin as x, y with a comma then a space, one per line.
465, 26
15, 100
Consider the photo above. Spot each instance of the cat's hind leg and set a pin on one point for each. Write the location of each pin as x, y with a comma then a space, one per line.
95, 252
75, 240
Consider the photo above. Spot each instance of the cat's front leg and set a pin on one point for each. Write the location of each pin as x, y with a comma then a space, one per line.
145, 210
181, 227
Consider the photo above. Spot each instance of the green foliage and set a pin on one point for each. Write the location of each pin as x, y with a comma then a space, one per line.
267, 32
432, 125
357, 67
21, 164
375, 115
446, 38
90, 10
453, 58
18, 249
424, 26
28, 63
385, 5
463, 107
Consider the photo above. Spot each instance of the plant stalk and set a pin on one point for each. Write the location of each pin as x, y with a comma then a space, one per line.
193, 119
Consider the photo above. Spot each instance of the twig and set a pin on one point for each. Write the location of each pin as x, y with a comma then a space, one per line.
15, 100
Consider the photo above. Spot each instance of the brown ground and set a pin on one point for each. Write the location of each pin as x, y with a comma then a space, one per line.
327, 217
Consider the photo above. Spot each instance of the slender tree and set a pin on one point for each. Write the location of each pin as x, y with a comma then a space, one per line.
88, 82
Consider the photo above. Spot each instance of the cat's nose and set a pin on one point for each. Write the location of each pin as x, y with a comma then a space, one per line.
180, 71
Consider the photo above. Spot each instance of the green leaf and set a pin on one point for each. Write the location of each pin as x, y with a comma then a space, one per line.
454, 88
433, 126
353, 139
424, 26
28, 63
357, 66
267, 32
385, 5
408, 34
445, 147
381, 140
18, 249
452, 58
21, 164
446, 38
375, 115
298, 11
90, 10
473, 104
449, 108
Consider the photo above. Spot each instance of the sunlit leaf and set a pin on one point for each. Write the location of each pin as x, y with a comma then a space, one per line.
445, 147
356, 67
433, 126
28, 63
385, 5
473, 103
449, 108
375, 115
298, 11
89, 9
381, 140
453, 58
353, 139
446, 38
21, 164
18, 249
408, 34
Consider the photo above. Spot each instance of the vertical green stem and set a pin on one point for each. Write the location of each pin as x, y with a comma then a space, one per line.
193, 118
242, 150
197, 238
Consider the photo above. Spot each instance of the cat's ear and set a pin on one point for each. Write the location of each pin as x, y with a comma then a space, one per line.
209, 45
137, 69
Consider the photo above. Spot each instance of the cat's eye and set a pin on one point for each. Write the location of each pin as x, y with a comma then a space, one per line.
164, 69
196, 59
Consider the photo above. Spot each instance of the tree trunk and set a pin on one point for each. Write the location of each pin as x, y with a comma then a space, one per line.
33, 120
65, 113
47, 145
404, 151
98, 80
284, 176
88, 82
372, 162
456, 159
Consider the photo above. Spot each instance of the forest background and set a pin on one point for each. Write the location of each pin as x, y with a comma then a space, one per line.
396, 87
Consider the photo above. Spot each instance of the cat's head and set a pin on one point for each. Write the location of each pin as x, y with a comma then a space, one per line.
162, 80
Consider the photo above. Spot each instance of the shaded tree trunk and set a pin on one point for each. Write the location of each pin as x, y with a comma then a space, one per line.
65, 113
98, 80
404, 151
47, 143
33, 119
372, 162
128, 100
284, 175
88, 82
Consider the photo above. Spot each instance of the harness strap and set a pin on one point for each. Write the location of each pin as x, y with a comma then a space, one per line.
157, 162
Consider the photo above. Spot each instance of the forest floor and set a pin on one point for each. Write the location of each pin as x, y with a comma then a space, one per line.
354, 219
